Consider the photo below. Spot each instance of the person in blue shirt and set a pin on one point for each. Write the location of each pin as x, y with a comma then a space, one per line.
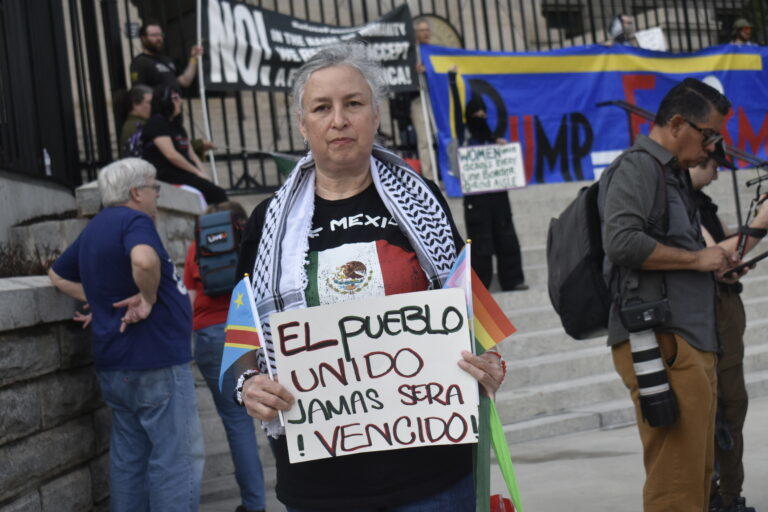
142, 325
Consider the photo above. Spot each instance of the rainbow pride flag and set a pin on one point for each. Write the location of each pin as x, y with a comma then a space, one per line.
243, 331
491, 325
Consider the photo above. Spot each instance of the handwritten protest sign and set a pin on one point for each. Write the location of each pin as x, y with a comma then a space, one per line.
376, 374
491, 168
652, 39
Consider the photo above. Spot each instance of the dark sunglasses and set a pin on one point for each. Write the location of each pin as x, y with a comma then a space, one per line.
710, 136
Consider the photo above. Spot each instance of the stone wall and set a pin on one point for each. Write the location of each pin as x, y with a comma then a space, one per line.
23, 198
54, 428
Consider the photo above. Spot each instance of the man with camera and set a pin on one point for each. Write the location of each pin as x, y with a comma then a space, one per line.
662, 327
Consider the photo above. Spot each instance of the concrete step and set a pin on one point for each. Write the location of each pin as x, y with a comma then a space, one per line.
536, 274
558, 382
557, 367
535, 302
524, 345
603, 415
544, 317
218, 460
583, 361
216, 438
545, 399
606, 414
536, 295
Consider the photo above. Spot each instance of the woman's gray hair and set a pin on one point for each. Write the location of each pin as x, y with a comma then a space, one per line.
118, 178
354, 55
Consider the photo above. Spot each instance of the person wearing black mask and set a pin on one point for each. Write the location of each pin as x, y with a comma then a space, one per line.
488, 216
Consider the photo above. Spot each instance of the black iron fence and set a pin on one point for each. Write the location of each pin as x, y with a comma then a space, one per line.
93, 42
37, 136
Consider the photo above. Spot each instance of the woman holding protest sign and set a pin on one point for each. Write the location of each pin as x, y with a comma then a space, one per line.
351, 209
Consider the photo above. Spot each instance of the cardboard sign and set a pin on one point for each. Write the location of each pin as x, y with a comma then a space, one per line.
491, 168
652, 39
376, 374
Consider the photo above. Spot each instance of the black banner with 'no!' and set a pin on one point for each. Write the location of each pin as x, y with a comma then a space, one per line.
249, 47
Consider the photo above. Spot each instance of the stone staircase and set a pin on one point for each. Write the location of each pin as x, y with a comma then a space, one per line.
555, 385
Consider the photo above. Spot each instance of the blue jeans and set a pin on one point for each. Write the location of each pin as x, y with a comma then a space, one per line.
209, 344
460, 497
156, 451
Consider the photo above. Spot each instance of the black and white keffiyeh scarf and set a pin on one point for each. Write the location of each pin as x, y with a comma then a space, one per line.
279, 273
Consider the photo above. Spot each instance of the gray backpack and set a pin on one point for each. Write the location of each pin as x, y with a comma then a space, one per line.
577, 289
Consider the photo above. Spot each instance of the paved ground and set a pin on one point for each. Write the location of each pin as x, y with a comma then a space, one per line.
602, 470
599, 470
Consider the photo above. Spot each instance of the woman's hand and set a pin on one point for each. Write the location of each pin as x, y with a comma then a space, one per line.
263, 397
488, 369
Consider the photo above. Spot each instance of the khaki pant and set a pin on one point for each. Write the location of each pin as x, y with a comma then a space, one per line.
678, 459
732, 393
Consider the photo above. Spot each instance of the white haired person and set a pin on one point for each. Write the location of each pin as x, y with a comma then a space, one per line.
345, 175
142, 327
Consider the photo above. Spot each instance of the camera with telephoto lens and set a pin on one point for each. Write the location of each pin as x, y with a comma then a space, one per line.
643, 307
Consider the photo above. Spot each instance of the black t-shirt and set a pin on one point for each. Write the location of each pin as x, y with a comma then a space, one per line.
711, 222
158, 126
153, 70
357, 249
708, 212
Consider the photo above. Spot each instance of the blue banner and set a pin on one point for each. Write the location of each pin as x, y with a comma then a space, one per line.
548, 100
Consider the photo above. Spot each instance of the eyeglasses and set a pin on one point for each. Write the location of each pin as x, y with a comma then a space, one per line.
175, 97
710, 136
155, 187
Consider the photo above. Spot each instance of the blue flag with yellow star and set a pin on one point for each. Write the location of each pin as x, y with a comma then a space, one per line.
243, 332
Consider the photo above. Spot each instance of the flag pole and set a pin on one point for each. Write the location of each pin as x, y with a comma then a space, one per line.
201, 83
423, 98
468, 292
482, 452
252, 301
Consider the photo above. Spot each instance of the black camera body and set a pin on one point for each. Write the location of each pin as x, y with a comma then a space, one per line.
638, 315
